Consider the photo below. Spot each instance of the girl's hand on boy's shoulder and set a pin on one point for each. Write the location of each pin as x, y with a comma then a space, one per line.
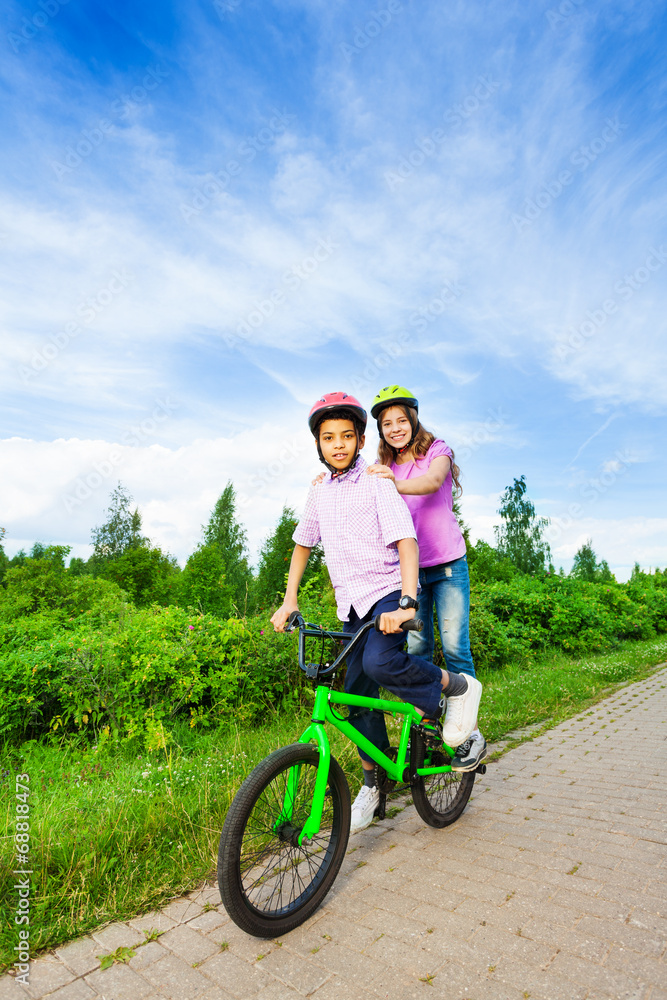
381, 470
318, 479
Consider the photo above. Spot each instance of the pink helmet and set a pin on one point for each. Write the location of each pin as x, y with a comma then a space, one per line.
336, 401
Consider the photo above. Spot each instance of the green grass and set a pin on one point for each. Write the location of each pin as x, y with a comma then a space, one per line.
116, 831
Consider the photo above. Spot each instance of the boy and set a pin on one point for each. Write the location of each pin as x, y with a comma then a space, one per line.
372, 556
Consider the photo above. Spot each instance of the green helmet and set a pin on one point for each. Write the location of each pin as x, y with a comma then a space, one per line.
393, 395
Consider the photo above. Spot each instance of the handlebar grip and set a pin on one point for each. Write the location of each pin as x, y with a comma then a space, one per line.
413, 625
295, 619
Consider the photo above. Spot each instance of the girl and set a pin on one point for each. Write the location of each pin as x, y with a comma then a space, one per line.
423, 470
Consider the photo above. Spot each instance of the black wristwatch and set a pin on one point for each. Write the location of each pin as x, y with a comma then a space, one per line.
408, 602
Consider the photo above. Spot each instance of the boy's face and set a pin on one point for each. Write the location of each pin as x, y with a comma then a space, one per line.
338, 441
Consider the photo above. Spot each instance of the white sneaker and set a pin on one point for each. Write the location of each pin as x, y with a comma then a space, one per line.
461, 714
364, 807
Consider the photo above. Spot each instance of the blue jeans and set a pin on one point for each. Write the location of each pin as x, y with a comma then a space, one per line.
448, 587
380, 660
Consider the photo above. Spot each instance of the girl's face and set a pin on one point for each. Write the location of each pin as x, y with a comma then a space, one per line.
396, 427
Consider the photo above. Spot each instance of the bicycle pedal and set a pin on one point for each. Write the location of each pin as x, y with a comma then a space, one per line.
381, 808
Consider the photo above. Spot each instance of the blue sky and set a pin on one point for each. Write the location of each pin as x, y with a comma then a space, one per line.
211, 213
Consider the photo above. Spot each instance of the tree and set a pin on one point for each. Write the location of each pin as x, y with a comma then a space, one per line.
146, 574
586, 567
122, 530
275, 557
4, 561
487, 565
585, 563
520, 536
124, 555
217, 576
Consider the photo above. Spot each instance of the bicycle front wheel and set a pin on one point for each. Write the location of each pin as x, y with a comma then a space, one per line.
268, 883
439, 798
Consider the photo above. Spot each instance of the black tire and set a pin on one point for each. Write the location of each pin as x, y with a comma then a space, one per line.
268, 885
439, 798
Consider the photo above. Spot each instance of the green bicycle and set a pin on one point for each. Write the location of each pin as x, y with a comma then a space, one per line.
286, 832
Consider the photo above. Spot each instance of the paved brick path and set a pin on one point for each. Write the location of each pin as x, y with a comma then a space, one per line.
551, 886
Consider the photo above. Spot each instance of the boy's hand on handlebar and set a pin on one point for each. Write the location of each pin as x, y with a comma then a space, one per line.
391, 621
381, 470
279, 617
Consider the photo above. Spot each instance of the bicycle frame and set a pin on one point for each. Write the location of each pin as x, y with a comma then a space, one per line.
325, 697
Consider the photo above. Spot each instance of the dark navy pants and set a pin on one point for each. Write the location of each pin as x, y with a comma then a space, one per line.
381, 661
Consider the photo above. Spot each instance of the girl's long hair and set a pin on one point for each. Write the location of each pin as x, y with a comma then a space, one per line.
421, 444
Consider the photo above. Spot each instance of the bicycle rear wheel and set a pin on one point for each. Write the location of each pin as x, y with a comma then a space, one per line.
268, 883
439, 798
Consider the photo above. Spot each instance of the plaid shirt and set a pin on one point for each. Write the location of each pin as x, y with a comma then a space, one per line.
359, 519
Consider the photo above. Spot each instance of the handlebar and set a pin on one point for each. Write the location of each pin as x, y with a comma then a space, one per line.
316, 671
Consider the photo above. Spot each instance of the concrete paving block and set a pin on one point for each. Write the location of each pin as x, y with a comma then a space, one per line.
182, 910
583, 973
396, 926
391, 985
278, 991
117, 935
591, 905
536, 983
214, 993
190, 945
239, 943
624, 934
78, 990
645, 967
335, 929
241, 979
416, 961
335, 988
304, 975
147, 954
119, 982
394, 902
209, 920
176, 979
156, 920
80, 955
46, 975
11, 990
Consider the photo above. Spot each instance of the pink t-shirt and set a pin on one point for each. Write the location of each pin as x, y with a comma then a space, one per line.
438, 533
